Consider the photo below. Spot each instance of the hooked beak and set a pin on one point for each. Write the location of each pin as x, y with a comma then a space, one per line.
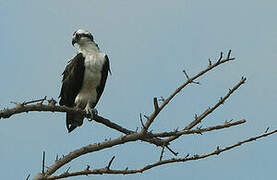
74, 41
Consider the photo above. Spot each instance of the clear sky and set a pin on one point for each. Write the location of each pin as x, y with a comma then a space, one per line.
149, 43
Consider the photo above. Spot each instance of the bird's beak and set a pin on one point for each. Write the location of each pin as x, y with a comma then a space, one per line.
74, 41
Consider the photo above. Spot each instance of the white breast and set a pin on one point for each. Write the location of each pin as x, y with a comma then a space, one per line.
92, 77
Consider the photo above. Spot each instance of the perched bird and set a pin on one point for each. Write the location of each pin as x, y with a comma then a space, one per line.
84, 78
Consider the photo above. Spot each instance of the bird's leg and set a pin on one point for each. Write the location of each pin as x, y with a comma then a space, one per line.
92, 111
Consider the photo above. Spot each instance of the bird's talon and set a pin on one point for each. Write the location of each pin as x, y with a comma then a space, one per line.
95, 111
92, 112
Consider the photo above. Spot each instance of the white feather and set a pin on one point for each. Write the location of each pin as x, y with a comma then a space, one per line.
94, 60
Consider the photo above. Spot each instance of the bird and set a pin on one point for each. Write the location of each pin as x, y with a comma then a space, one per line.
84, 78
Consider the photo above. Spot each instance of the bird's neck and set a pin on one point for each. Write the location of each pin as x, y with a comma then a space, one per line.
88, 48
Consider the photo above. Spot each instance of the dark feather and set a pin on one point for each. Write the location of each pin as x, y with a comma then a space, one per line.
73, 76
73, 121
104, 75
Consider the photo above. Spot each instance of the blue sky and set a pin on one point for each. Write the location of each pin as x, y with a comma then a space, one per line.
149, 43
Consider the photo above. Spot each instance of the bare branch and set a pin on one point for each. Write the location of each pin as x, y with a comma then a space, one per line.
229, 54
208, 111
197, 131
96, 147
217, 151
67, 170
221, 101
30, 102
110, 163
28, 177
162, 153
173, 152
155, 102
43, 162
221, 56
210, 62
146, 117
91, 148
6, 113
189, 81
141, 121
188, 78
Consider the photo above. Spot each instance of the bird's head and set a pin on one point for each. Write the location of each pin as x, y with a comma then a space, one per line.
81, 37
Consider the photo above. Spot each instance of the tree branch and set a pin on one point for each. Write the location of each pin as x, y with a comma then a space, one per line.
110, 163
90, 148
187, 158
220, 102
100, 146
96, 147
43, 162
6, 113
189, 81
196, 131
208, 111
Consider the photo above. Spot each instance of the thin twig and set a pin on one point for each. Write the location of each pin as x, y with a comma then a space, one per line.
43, 162
188, 78
67, 170
210, 62
57, 157
29, 102
110, 163
266, 129
140, 118
221, 56
155, 102
173, 152
162, 152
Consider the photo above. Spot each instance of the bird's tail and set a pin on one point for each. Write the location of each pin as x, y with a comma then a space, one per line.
73, 120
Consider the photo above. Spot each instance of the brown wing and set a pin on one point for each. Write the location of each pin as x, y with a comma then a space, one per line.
73, 76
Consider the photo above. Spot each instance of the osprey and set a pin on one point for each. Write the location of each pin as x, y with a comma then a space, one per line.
84, 78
